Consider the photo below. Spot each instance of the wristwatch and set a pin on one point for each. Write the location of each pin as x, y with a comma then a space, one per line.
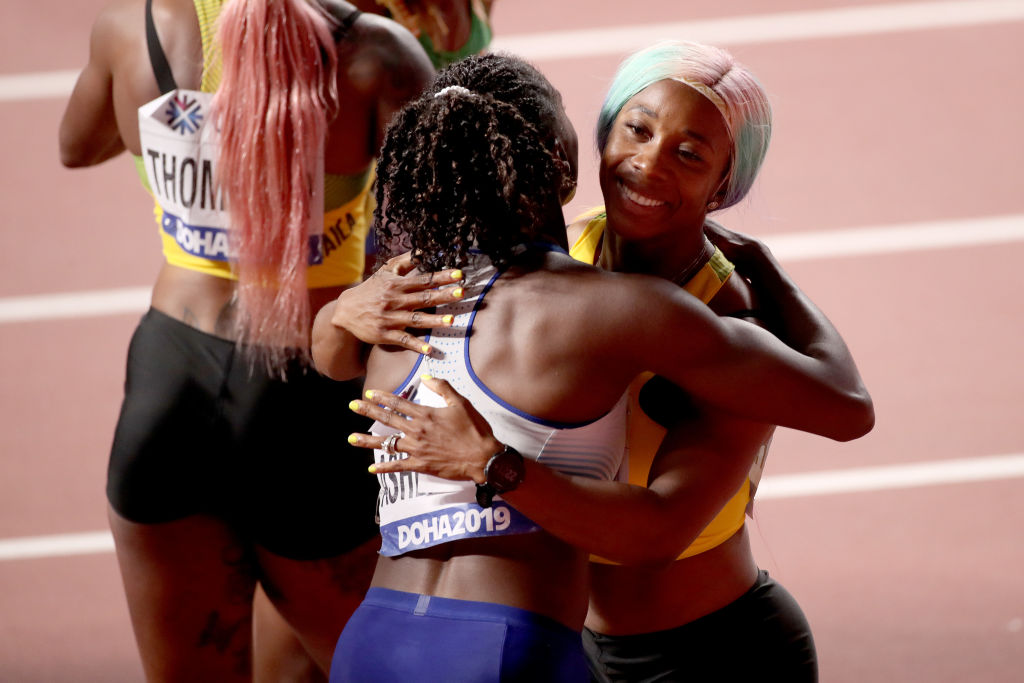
503, 473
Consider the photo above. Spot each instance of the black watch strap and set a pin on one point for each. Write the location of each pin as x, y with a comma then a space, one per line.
485, 495
504, 472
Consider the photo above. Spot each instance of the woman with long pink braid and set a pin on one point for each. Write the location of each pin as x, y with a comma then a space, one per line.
254, 125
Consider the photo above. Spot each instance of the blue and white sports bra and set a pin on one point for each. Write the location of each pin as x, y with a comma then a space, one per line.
419, 511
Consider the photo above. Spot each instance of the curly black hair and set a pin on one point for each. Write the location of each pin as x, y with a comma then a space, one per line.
463, 170
510, 79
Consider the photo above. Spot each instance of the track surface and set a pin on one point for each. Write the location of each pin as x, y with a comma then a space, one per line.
894, 192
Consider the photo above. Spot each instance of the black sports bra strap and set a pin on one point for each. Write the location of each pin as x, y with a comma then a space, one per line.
344, 23
157, 58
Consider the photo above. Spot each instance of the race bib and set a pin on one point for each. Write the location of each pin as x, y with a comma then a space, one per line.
180, 143
420, 510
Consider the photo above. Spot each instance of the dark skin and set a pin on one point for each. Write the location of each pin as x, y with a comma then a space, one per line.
516, 353
702, 461
386, 309
653, 227
191, 608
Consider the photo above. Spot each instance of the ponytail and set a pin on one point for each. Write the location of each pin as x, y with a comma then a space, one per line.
462, 171
277, 93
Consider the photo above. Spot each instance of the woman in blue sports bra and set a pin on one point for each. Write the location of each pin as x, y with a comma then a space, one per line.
257, 144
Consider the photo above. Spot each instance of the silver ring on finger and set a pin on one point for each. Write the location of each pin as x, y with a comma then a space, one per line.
389, 444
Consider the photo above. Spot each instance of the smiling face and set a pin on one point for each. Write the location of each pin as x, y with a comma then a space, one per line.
665, 158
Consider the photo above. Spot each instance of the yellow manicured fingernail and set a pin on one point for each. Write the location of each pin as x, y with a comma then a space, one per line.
425, 348
456, 274
372, 469
448, 319
353, 405
458, 292
352, 438
426, 377
369, 394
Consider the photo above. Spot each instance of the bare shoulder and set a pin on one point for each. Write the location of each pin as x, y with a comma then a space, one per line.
117, 21
379, 56
617, 305
662, 297
119, 37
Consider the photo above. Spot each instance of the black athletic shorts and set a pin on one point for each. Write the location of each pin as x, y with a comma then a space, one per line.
201, 431
762, 636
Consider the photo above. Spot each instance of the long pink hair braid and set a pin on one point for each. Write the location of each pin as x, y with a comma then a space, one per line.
277, 92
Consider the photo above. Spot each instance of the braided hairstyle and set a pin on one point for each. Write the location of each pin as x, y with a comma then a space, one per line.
461, 170
277, 93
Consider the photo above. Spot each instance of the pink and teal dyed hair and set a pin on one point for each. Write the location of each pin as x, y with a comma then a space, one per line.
278, 90
742, 101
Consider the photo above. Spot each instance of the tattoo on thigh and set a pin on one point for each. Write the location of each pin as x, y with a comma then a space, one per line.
230, 638
219, 633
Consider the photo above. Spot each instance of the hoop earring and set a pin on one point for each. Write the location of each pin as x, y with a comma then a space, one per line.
567, 190
566, 181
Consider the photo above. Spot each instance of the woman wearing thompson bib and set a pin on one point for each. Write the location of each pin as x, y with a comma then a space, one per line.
254, 124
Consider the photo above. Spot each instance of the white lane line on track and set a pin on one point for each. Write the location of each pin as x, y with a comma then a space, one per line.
856, 480
57, 545
74, 304
762, 28
39, 85
888, 239
788, 248
885, 477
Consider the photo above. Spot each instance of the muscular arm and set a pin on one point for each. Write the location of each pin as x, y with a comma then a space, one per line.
88, 132
745, 370
337, 353
792, 317
379, 311
391, 65
730, 364
701, 463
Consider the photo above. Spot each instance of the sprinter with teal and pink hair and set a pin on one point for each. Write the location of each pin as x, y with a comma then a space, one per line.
683, 132
254, 125
733, 89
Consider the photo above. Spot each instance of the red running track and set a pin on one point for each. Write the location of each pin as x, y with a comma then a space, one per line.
897, 125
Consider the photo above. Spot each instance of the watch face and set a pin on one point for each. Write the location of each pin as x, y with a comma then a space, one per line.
502, 477
505, 470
